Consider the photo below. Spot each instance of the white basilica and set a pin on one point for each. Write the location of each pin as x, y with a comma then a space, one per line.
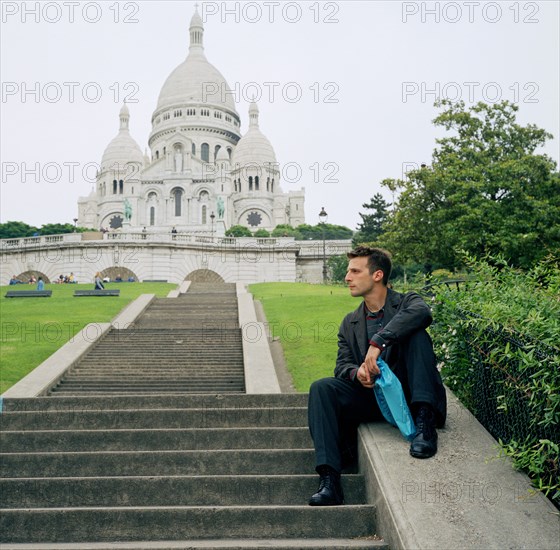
202, 175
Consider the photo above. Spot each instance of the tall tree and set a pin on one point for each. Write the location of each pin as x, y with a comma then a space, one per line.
487, 191
371, 227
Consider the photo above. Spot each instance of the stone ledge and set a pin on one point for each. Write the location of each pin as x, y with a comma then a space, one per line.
132, 311
184, 287
463, 498
260, 373
50, 371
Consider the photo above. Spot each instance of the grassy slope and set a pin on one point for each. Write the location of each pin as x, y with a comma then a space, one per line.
306, 319
34, 328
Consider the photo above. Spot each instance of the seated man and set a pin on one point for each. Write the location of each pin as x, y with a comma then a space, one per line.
389, 325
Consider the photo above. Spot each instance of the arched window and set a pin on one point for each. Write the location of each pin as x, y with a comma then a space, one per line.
256, 183
152, 215
239, 184
203, 211
157, 154
121, 187
205, 152
268, 184
193, 149
250, 183
229, 153
216, 149
178, 197
114, 187
272, 186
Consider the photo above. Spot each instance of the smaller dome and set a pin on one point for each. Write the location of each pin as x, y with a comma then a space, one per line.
253, 147
122, 149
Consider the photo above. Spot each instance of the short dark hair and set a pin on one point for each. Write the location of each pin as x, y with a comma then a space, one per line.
377, 259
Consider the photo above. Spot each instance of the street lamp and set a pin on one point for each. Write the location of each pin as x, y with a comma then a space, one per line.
75, 224
323, 217
212, 216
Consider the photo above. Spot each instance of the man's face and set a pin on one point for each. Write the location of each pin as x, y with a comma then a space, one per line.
360, 281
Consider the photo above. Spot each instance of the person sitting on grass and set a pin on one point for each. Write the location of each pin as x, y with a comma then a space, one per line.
99, 282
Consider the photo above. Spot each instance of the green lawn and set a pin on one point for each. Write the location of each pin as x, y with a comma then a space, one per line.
306, 319
34, 328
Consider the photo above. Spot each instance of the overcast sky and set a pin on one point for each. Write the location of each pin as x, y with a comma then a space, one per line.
351, 104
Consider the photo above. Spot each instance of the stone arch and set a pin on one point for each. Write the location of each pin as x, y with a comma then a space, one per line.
26, 275
113, 271
204, 276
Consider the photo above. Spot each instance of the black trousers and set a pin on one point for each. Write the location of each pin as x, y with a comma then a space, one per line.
337, 406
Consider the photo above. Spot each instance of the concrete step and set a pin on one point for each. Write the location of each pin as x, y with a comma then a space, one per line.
158, 463
160, 371
361, 543
76, 392
185, 523
155, 401
146, 418
123, 389
235, 386
182, 374
218, 490
152, 440
233, 354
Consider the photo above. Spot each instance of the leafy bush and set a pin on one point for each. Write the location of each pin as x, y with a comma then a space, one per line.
498, 338
238, 231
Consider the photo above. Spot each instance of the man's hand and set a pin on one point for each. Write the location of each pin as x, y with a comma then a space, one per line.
364, 377
371, 361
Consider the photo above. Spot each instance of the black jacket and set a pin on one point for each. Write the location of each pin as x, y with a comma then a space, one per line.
403, 315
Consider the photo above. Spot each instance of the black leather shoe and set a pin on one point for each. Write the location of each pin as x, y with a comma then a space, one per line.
424, 444
330, 490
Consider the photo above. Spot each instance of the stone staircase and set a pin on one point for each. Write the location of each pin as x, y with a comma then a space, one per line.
150, 442
218, 471
192, 343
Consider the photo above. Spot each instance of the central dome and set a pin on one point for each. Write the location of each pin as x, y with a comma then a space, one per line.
196, 80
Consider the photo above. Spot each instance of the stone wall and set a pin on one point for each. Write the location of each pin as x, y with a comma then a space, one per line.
169, 258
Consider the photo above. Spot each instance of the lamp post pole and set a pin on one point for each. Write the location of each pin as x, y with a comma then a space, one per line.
212, 216
323, 216
75, 224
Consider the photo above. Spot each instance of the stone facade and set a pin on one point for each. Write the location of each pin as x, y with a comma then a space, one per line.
201, 174
166, 257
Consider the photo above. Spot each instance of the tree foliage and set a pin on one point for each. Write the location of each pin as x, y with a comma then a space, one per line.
238, 231
371, 227
486, 192
497, 339
306, 232
338, 266
16, 230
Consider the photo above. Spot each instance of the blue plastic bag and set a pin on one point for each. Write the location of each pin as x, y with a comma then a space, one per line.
390, 398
